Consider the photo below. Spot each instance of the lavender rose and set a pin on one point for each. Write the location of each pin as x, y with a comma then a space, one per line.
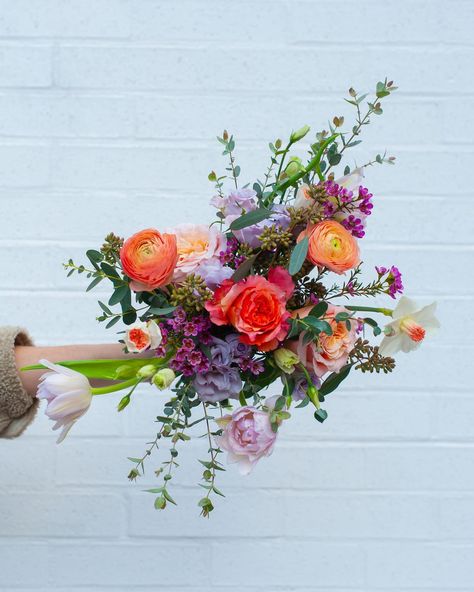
247, 436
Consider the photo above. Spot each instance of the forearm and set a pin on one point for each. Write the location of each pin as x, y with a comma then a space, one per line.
29, 355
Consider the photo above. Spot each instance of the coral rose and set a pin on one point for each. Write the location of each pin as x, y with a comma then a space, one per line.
149, 258
256, 307
197, 244
247, 436
330, 352
331, 246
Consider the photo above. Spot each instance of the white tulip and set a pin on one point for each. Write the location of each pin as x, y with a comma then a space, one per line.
68, 394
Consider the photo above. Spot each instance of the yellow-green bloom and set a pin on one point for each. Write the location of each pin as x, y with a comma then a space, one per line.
286, 360
146, 371
300, 133
163, 378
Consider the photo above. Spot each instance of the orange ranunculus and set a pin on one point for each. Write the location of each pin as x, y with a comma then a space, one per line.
329, 353
149, 258
256, 307
331, 246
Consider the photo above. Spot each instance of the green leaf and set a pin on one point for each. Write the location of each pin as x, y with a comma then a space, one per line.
94, 257
109, 270
320, 326
321, 415
161, 311
104, 308
119, 294
319, 310
251, 218
94, 283
168, 497
298, 256
112, 322
243, 269
342, 316
334, 380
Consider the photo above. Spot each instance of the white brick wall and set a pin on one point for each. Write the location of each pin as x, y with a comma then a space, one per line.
108, 110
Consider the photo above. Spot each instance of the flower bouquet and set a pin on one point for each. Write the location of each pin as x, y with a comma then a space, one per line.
267, 295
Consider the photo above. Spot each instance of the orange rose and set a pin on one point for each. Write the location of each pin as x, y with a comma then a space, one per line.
256, 307
329, 353
331, 246
149, 258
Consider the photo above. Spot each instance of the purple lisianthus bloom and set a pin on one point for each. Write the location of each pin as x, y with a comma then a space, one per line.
214, 273
222, 379
250, 234
301, 385
236, 203
218, 383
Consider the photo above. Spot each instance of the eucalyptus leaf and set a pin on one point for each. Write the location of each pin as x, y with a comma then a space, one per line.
251, 218
298, 256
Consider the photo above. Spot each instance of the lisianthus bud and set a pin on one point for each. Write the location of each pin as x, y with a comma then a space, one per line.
163, 378
285, 359
125, 371
299, 134
312, 393
146, 371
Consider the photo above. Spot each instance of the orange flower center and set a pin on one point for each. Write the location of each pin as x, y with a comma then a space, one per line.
414, 331
139, 338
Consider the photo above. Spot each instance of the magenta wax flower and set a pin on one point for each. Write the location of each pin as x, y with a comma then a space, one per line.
247, 436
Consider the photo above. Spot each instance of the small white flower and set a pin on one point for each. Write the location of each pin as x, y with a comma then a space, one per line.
142, 336
409, 327
68, 394
353, 180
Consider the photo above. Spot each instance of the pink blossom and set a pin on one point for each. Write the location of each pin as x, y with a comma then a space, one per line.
247, 436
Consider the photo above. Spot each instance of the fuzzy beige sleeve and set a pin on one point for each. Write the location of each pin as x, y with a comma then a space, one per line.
17, 407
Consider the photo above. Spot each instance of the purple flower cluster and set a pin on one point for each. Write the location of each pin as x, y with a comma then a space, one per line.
193, 331
348, 207
221, 380
393, 279
229, 255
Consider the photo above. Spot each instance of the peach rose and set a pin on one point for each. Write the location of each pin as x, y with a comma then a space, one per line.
330, 352
197, 243
149, 258
256, 307
331, 246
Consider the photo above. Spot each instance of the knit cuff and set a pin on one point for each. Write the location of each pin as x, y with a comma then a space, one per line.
14, 400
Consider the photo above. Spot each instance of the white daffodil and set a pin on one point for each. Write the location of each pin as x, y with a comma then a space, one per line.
68, 393
409, 327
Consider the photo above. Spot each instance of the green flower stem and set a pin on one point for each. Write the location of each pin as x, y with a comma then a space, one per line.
385, 311
105, 390
314, 164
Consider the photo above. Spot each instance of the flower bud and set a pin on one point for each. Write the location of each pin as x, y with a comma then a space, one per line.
312, 393
299, 134
146, 371
285, 359
125, 371
163, 378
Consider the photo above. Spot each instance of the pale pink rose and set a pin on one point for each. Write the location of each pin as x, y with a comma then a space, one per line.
330, 352
247, 436
68, 394
197, 243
